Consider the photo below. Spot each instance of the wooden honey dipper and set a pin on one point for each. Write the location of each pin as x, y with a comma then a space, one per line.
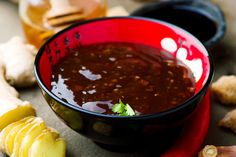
61, 15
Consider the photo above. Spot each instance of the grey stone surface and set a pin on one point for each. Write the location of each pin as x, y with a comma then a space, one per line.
78, 146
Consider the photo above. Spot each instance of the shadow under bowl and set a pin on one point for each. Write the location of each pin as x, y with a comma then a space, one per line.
117, 130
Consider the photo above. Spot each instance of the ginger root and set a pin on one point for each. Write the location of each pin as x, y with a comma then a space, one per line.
225, 89
229, 121
30, 137
220, 151
17, 59
11, 107
19, 129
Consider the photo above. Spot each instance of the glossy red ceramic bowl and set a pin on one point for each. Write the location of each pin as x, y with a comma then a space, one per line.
116, 130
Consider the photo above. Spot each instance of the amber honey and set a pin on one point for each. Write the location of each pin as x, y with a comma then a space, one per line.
37, 30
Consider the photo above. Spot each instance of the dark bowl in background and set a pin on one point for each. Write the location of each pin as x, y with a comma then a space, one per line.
117, 130
199, 17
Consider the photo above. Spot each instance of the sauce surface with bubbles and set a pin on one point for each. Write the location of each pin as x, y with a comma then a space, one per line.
97, 76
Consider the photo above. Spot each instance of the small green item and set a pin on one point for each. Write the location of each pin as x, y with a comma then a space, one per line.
122, 109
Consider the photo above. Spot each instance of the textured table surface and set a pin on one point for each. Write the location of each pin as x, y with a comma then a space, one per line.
225, 60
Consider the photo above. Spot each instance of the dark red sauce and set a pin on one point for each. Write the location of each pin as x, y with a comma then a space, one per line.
97, 76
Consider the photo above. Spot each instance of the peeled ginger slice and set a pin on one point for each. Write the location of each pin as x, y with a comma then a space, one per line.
13, 113
47, 144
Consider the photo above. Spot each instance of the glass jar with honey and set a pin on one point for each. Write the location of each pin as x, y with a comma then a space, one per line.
42, 18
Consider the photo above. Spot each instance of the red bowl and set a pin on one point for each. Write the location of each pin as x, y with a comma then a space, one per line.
191, 137
116, 130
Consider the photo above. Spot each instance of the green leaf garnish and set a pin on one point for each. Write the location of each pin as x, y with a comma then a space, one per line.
118, 108
129, 110
122, 109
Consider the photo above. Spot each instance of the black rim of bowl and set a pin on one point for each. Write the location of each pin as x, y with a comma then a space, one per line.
147, 116
219, 16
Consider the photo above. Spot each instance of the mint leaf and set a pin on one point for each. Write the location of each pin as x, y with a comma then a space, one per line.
122, 109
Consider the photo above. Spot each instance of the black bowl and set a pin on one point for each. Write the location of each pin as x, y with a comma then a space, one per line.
117, 130
199, 17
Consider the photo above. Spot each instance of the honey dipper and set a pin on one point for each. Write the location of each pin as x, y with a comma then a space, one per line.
61, 15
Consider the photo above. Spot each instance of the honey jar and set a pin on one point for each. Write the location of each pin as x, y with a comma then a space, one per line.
42, 18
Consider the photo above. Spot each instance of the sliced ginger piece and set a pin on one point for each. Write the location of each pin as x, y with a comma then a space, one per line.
12, 113
225, 89
21, 134
47, 144
209, 151
219, 151
16, 127
29, 138
9, 141
229, 121
4, 135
